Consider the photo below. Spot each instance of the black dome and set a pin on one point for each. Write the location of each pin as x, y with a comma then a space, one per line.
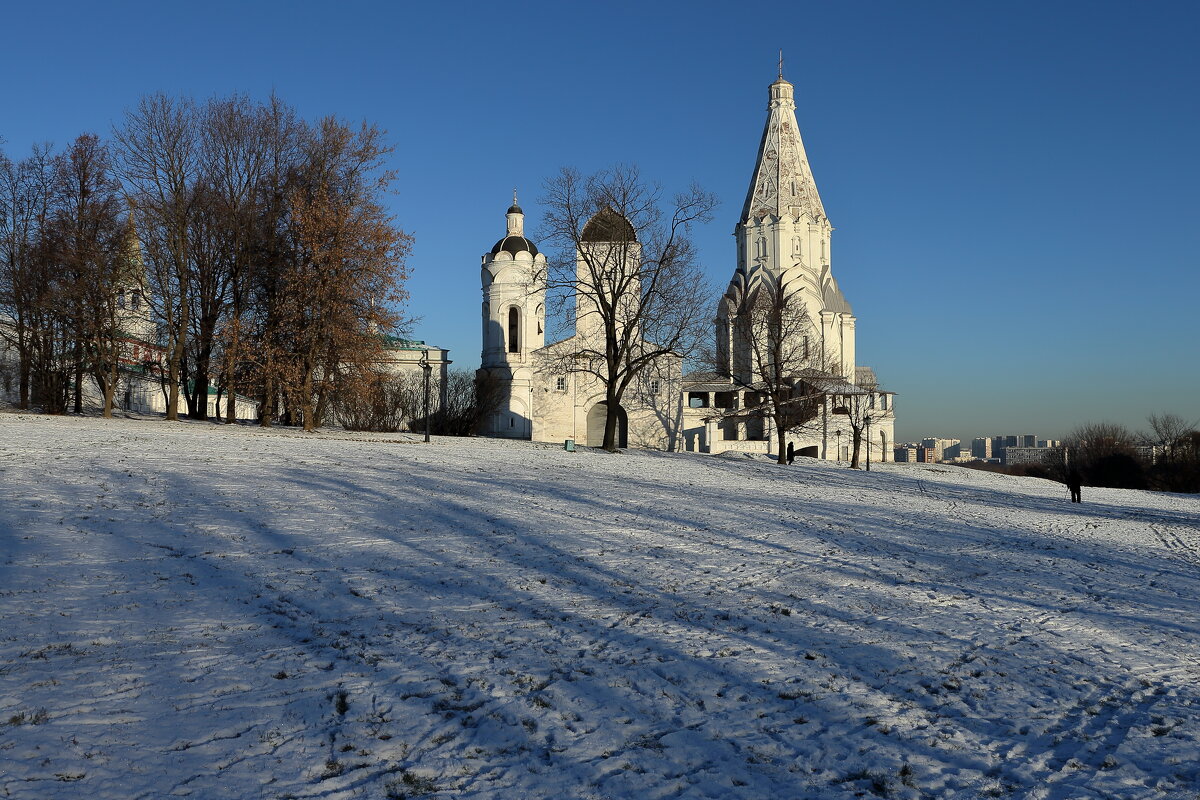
607, 225
515, 244
515, 209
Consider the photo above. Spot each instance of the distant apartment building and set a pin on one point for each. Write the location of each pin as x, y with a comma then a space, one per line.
927, 455
905, 454
981, 447
1015, 456
944, 449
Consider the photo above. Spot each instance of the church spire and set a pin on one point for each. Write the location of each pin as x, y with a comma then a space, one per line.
783, 182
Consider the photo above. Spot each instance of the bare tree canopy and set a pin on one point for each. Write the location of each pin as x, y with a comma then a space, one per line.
63, 245
259, 241
622, 267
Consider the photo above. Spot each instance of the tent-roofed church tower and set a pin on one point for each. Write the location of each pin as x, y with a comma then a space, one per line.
784, 236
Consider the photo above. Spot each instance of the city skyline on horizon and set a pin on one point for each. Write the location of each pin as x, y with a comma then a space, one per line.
1012, 203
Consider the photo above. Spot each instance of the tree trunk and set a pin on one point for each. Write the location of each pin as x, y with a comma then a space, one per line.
306, 402
857, 448
266, 407
110, 387
230, 387
199, 408
23, 402
78, 379
610, 421
173, 370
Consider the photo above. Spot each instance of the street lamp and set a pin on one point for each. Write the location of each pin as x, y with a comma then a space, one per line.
838, 434
425, 365
867, 420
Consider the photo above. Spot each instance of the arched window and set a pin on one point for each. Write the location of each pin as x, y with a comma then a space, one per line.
514, 328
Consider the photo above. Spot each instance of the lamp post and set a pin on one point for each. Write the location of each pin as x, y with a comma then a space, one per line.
425, 365
867, 420
838, 433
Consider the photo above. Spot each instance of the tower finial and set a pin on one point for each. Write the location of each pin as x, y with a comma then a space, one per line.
514, 195
781, 63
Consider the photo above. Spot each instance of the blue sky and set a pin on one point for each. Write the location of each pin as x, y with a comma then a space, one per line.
1012, 185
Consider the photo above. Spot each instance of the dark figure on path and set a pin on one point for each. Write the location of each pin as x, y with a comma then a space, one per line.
1075, 484
791, 453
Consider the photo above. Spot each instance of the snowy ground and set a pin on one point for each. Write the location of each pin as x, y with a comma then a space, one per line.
195, 610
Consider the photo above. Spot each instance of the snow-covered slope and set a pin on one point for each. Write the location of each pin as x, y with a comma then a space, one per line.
230, 613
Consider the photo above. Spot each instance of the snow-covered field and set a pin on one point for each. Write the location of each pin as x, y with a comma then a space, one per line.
195, 610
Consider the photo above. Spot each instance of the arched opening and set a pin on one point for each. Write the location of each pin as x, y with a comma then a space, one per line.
595, 426
514, 330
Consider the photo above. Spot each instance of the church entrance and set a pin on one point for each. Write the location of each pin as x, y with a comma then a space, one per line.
595, 426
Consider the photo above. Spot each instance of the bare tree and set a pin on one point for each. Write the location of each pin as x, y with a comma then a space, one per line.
91, 248
342, 270
1168, 431
369, 400
160, 168
1104, 455
25, 197
235, 142
628, 270
468, 399
1177, 468
779, 358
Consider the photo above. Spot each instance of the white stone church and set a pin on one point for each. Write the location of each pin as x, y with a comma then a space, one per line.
543, 401
783, 238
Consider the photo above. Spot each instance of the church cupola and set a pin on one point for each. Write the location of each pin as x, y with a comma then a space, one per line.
514, 240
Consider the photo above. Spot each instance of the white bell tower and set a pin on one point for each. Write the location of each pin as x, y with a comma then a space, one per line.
514, 324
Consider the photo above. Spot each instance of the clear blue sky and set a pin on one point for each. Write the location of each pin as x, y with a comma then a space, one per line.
1014, 185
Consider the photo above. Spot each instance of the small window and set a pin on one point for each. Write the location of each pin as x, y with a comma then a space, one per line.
560, 383
724, 400
655, 386
135, 301
871, 401
697, 399
883, 401
514, 328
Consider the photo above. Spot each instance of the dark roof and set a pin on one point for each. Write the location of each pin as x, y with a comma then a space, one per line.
607, 225
515, 244
515, 209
